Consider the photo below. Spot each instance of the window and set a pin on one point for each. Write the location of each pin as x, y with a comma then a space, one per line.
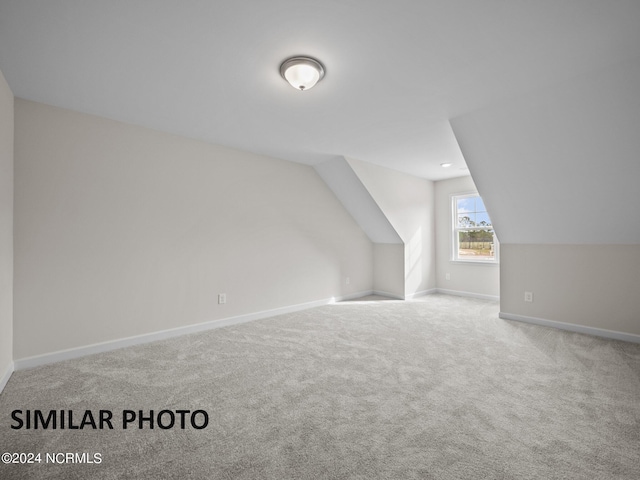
473, 237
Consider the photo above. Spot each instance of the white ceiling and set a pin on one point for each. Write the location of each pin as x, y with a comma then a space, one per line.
396, 71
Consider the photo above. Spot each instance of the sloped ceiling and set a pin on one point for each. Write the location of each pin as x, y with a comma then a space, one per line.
345, 184
397, 72
561, 164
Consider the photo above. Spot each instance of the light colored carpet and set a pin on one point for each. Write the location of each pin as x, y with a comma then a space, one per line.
437, 387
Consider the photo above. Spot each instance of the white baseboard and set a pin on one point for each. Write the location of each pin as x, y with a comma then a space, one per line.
382, 293
572, 327
421, 293
404, 297
61, 355
7, 375
353, 296
460, 293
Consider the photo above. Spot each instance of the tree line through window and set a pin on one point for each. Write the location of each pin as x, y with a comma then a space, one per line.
473, 236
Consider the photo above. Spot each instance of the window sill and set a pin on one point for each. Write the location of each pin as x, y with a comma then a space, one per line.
476, 262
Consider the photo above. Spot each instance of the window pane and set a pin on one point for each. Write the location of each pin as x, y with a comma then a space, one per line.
482, 219
466, 220
473, 238
466, 204
476, 245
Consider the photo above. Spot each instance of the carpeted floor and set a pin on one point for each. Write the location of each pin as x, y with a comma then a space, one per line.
438, 387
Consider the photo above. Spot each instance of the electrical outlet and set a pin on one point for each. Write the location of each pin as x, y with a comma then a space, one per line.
222, 298
528, 297
447, 276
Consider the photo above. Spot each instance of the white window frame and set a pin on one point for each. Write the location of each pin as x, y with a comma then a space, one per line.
455, 234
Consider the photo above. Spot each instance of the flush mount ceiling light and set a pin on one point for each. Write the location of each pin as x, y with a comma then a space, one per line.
302, 72
446, 165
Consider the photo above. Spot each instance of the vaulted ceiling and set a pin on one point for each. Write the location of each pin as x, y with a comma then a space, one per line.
397, 72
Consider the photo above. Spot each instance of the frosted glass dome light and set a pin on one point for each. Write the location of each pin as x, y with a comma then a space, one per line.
302, 72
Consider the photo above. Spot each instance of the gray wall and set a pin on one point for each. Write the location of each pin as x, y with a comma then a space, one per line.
122, 231
407, 202
595, 286
388, 269
6, 230
558, 169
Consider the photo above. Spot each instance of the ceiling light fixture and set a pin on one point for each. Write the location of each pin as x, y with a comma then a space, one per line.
302, 72
446, 165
